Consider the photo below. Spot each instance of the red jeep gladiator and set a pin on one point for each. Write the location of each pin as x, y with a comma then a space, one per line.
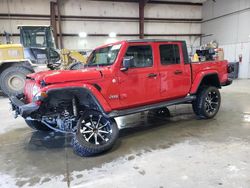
119, 79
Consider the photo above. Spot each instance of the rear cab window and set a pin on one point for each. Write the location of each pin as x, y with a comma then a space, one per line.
169, 54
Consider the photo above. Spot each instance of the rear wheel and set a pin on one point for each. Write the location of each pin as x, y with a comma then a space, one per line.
12, 80
37, 125
207, 103
95, 134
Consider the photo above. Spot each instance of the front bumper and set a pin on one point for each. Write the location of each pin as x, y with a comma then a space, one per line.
228, 82
22, 109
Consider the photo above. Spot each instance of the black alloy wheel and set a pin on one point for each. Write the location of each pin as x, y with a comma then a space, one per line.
211, 102
95, 134
207, 103
96, 130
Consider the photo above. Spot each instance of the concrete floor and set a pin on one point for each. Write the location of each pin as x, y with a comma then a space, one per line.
157, 153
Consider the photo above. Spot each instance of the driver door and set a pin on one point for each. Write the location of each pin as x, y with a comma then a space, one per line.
140, 83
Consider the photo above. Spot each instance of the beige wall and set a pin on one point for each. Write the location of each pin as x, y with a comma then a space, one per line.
227, 21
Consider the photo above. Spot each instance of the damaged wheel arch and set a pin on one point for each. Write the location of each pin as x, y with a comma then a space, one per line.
87, 96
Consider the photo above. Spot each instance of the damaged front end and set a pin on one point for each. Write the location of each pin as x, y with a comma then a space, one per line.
22, 109
59, 109
59, 114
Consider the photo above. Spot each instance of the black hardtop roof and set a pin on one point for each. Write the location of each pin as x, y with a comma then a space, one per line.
155, 40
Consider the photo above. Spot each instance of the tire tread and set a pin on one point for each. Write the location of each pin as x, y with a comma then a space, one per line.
15, 68
199, 102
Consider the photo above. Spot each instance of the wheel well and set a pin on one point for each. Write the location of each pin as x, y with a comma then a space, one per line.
84, 98
6, 65
210, 80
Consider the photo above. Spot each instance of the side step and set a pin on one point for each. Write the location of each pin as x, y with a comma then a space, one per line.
117, 113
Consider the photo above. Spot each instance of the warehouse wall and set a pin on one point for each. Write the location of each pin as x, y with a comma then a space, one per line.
227, 22
72, 26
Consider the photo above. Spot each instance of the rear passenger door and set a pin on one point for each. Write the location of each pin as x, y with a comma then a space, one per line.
140, 83
175, 76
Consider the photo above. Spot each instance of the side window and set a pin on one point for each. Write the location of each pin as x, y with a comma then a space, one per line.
141, 56
169, 54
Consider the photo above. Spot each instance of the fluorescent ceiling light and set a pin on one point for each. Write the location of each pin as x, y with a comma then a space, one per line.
112, 35
82, 35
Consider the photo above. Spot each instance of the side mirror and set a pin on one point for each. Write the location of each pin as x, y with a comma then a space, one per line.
126, 63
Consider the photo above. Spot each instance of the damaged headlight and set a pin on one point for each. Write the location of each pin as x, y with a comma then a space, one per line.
35, 90
38, 95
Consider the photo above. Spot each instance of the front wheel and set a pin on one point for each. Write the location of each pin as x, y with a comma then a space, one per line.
95, 134
207, 103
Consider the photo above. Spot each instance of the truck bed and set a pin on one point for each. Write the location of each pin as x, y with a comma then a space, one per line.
219, 67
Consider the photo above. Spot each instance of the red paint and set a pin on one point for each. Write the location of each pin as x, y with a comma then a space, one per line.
68, 76
121, 90
201, 69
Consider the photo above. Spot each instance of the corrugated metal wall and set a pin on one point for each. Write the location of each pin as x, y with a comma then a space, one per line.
227, 22
160, 23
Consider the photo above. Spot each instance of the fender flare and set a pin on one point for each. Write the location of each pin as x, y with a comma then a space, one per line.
199, 77
7, 63
92, 91
98, 98
16, 61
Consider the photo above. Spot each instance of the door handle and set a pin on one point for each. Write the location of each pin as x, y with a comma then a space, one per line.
152, 75
178, 72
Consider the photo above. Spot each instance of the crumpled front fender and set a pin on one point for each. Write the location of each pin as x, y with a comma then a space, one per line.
96, 95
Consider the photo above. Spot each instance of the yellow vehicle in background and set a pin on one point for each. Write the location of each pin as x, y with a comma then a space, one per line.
72, 59
36, 52
13, 68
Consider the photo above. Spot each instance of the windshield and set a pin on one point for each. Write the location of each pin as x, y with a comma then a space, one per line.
104, 56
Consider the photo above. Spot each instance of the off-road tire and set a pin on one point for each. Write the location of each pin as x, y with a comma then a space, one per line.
200, 104
37, 125
84, 148
8, 74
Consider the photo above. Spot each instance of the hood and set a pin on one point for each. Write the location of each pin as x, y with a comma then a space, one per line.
58, 76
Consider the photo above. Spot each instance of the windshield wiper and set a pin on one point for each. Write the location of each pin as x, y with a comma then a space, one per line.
100, 64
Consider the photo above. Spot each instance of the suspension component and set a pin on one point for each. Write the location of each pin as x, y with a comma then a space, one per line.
74, 107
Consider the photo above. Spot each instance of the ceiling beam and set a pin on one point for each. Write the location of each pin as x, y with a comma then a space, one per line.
59, 22
94, 18
53, 22
142, 4
175, 3
125, 35
157, 2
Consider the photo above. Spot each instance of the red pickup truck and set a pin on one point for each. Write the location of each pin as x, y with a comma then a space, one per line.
119, 79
